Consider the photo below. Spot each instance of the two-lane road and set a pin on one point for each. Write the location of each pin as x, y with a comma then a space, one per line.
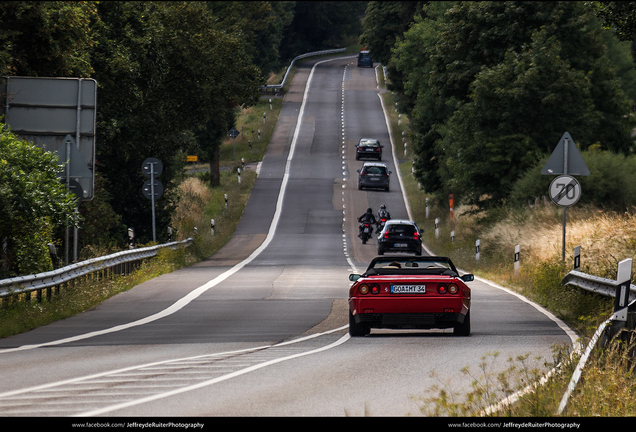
260, 328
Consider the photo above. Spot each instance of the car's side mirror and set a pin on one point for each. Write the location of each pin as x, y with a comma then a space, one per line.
354, 277
468, 278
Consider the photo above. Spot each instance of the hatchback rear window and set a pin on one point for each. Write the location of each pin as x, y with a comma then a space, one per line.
375, 170
407, 230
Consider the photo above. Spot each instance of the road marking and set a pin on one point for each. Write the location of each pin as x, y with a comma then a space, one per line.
62, 396
184, 301
216, 380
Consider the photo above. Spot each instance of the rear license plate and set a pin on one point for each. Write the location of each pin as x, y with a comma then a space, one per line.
400, 245
408, 289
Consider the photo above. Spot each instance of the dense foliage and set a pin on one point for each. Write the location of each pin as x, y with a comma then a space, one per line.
170, 76
32, 203
490, 87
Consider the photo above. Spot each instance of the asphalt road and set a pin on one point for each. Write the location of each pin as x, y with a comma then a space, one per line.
260, 328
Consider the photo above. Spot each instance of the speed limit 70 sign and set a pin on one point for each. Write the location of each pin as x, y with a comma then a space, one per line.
565, 191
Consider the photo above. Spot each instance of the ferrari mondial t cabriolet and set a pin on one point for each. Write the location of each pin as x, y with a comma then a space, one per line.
407, 292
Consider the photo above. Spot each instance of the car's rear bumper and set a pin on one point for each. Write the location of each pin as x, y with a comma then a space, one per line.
439, 320
424, 312
368, 155
390, 246
374, 184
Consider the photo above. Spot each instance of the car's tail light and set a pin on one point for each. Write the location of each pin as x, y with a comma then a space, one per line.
450, 288
386, 235
416, 235
369, 288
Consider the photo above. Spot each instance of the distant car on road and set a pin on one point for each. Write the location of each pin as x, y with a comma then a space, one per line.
374, 175
406, 292
369, 148
364, 59
400, 235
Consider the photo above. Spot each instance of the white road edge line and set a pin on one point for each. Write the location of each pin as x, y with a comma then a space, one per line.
184, 301
216, 380
163, 362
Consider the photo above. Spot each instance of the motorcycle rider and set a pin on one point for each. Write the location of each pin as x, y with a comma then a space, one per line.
367, 217
382, 213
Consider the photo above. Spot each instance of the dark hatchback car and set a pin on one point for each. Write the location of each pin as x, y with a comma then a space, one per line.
364, 59
400, 235
374, 175
368, 148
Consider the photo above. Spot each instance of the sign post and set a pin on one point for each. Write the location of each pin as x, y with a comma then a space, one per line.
152, 188
565, 190
234, 133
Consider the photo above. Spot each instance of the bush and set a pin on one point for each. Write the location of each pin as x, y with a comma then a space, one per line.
611, 184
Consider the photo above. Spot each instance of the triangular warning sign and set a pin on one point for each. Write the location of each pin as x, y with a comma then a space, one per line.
556, 163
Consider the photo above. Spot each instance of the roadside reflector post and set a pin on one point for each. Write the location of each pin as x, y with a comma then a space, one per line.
577, 258
621, 299
426, 208
226, 201
452, 236
517, 253
436, 227
477, 244
212, 225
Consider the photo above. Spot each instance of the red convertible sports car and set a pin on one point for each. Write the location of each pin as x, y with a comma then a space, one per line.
409, 292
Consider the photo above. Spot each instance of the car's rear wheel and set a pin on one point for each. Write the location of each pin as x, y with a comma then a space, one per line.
463, 329
356, 329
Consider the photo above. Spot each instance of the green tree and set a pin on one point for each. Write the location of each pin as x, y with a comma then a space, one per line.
32, 203
384, 23
319, 25
260, 24
164, 69
507, 78
46, 38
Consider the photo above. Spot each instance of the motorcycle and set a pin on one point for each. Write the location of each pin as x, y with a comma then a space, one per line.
381, 222
365, 232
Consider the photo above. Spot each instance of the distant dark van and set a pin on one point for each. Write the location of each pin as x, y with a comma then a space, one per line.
364, 59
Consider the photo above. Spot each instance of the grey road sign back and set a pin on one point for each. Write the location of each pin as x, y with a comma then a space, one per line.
45, 111
556, 162
233, 132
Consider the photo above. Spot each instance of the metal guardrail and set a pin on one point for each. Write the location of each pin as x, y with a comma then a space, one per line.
50, 279
277, 87
623, 318
595, 284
